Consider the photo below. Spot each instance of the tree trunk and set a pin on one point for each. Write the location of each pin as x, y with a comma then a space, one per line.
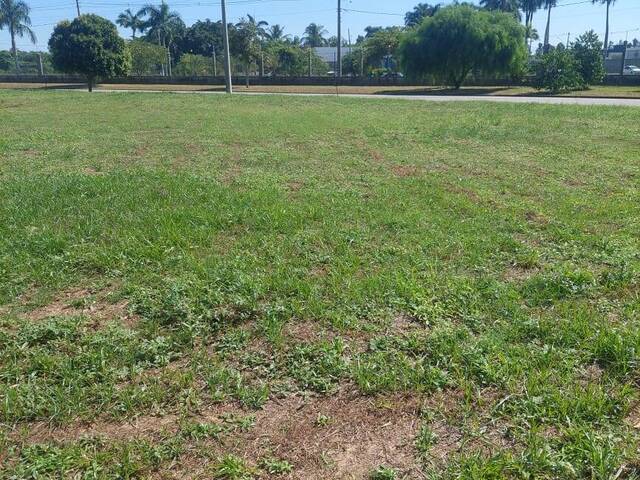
247, 74
606, 33
161, 44
14, 49
90, 81
169, 61
529, 27
546, 32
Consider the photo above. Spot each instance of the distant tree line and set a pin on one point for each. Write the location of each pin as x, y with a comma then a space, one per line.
447, 43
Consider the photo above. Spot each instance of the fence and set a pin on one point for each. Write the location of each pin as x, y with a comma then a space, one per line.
286, 81
617, 60
254, 80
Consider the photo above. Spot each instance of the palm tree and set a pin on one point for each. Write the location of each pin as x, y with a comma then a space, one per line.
529, 7
548, 4
510, 6
128, 19
531, 35
254, 28
608, 3
162, 22
314, 35
419, 13
276, 33
15, 16
252, 33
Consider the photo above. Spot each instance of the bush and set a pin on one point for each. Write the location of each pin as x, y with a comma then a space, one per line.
558, 71
565, 69
194, 65
588, 52
146, 57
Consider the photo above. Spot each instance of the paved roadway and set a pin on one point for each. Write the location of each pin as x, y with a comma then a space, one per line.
623, 102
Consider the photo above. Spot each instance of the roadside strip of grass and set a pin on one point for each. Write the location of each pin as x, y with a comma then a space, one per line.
593, 92
293, 287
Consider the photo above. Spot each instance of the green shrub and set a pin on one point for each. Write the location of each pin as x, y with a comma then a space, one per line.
565, 69
588, 53
558, 71
194, 65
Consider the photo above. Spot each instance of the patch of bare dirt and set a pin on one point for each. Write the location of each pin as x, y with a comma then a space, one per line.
319, 271
516, 274
633, 419
341, 436
591, 374
306, 331
309, 331
403, 324
537, 218
575, 182
91, 171
230, 175
30, 152
144, 427
140, 151
405, 171
465, 425
99, 307
295, 186
466, 192
373, 154
357, 435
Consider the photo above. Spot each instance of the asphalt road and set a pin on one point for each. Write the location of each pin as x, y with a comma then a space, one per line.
623, 102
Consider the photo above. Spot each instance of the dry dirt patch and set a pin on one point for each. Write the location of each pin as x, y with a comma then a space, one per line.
405, 171
100, 307
341, 436
345, 435
517, 274
536, 218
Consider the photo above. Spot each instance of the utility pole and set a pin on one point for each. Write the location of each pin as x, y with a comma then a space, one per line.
310, 61
41, 65
568, 39
78, 6
225, 43
339, 60
261, 63
215, 62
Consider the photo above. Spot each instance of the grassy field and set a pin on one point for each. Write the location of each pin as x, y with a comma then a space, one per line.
317, 288
628, 91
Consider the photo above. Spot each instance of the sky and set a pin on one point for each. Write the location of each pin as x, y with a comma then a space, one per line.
571, 17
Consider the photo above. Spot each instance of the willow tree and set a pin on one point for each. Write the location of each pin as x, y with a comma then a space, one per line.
460, 39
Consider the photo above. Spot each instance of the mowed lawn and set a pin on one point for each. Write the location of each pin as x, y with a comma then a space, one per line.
198, 286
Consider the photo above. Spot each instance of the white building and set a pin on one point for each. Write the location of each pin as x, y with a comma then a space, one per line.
330, 55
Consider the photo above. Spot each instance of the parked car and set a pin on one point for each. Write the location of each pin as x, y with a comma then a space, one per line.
631, 70
392, 75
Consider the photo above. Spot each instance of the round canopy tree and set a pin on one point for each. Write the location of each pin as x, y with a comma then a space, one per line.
91, 46
460, 39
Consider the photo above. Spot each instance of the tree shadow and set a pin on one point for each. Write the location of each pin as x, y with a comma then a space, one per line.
440, 91
66, 86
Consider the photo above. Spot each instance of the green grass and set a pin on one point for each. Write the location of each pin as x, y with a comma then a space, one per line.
249, 251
